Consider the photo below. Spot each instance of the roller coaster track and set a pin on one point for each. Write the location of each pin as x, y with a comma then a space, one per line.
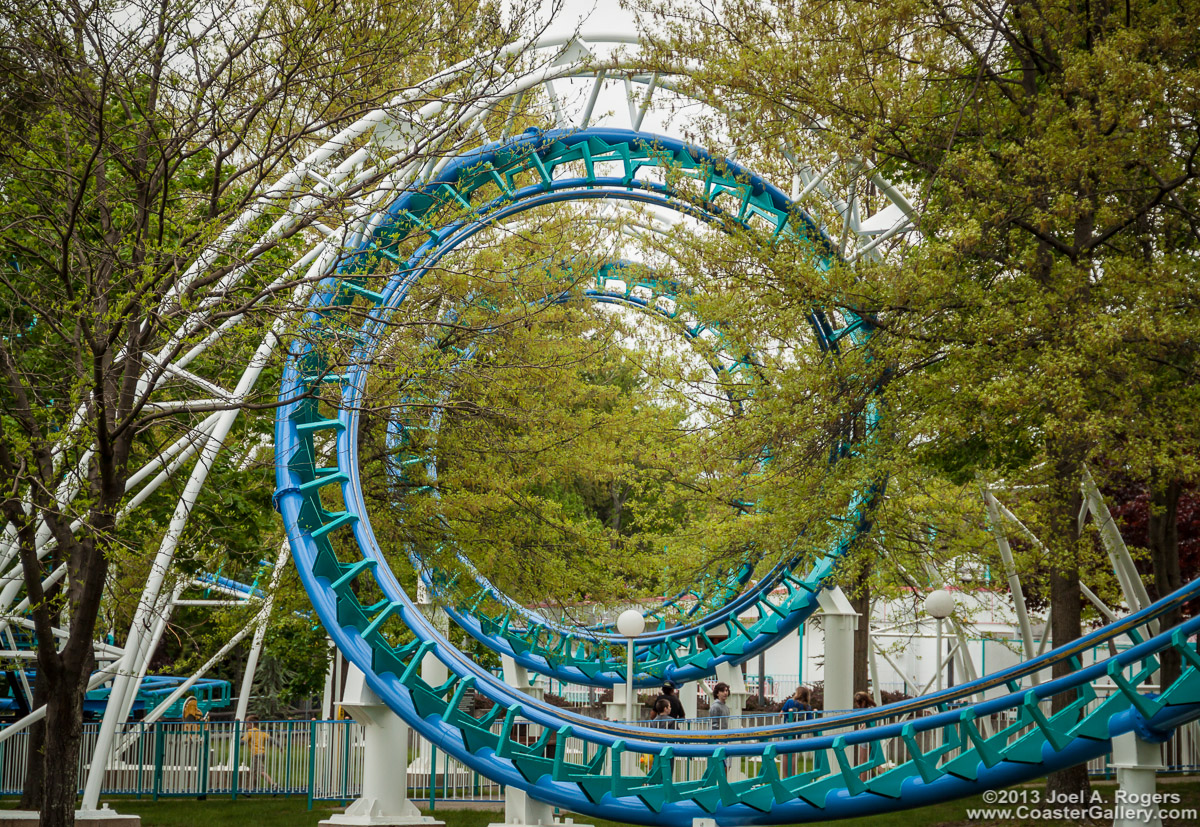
482, 188
619, 283
853, 764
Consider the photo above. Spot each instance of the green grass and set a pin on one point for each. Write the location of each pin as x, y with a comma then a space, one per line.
264, 811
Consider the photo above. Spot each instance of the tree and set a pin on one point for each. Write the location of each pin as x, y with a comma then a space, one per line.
132, 136
578, 438
1050, 152
1172, 541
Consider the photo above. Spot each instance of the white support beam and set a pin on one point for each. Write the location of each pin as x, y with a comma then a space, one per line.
840, 621
1118, 553
383, 802
1010, 569
260, 632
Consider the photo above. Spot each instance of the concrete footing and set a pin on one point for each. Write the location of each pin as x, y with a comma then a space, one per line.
104, 817
520, 809
369, 813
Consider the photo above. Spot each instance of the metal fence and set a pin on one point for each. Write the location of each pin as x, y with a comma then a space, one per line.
323, 760
1180, 753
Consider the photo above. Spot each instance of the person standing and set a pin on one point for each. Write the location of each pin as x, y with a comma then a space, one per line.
799, 703
863, 700
193, 733
719, 711
671, 693
796, 708
192, 716
255, 741
663, 719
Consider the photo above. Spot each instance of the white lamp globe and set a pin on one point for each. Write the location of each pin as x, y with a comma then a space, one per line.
630, 623
939, 604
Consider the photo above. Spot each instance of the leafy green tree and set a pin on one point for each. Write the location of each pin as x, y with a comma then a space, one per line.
575, 438
130, 137
1042, 313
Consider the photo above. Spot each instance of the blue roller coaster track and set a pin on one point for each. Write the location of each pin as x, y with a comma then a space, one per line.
855, 764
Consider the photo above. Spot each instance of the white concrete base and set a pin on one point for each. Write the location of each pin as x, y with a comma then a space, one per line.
840, 622
517, 677
104, 817
520, 809
371, 813
384, 802
1137, 763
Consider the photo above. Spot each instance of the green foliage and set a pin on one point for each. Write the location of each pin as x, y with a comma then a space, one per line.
1042, 314
293, 664
574, 439
130, 144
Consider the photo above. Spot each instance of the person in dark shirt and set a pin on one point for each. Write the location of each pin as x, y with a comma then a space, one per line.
672, 695
796, 708
799, 703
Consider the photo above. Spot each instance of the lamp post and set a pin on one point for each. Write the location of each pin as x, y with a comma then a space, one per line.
939, 605
630, 624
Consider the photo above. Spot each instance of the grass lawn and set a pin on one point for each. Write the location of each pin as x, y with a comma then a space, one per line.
293, 812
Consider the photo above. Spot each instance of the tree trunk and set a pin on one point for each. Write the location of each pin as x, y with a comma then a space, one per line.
860, 600
33, 793
64, 730
861, 603
1066, 601
1163, 533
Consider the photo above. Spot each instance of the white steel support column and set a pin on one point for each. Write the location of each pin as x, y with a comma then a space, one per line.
904, 676
435, 673
970, 673
873, 665
1137, 763
520, 809
149, 645
690, 699
840, 622
328, 702
1134, 589
260, 633
1010, 569
517, 677
384, 799
614, 710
